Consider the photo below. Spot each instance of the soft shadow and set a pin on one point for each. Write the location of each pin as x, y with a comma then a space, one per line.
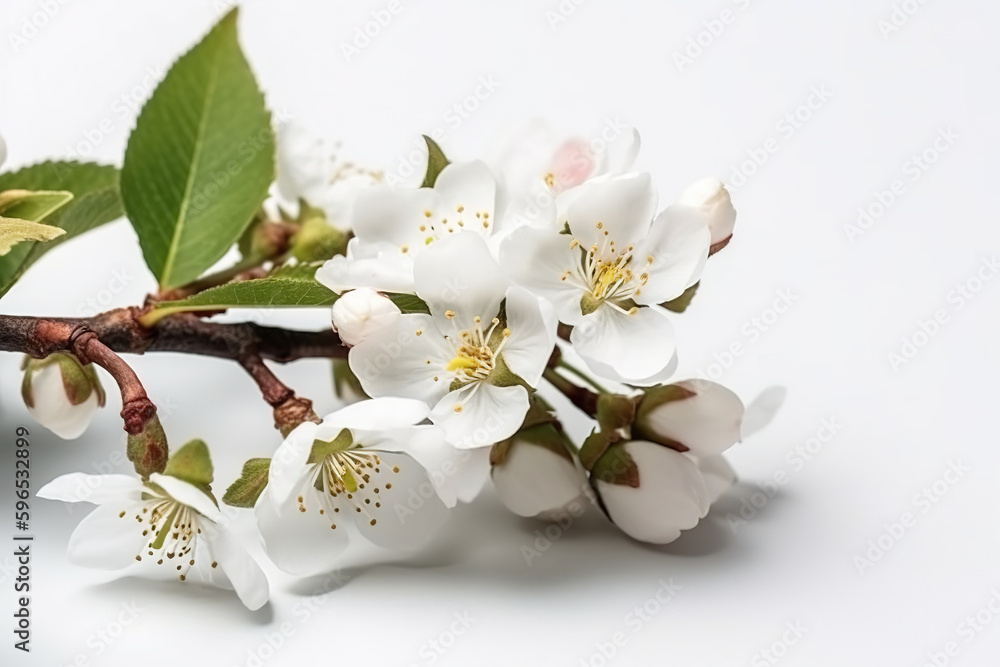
209, 598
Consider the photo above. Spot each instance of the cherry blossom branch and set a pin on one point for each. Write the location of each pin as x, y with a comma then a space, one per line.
289, 409
185, 333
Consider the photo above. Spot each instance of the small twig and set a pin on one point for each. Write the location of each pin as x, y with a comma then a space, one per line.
581, 397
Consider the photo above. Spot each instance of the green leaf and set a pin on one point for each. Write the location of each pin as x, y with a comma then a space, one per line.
14, 231
95, 202
245, 491
193, 464
32, 205
436, 162
200, 160
288, 287
681, 303
409, 303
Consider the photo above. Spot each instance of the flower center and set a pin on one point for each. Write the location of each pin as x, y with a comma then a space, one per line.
348, 474
435, 227
608, 274
173, 529
474, 358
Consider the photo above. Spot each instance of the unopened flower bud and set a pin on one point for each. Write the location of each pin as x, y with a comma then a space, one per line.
535, 473
697, 415
61, 393
712, 197
317, 239
650, 491
147, 449
718, 474
359, 313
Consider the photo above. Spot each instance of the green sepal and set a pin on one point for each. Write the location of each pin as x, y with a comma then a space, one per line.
681, 303
245, 491
436, 162
616, 466
321, 449
192, 463
148, 450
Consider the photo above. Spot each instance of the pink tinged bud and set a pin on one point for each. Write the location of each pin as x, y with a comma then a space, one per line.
537, 479
359, 313
671, 494
712, 197
62, 394
701, 416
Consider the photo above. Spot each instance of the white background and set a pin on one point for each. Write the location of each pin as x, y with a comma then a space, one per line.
857, 299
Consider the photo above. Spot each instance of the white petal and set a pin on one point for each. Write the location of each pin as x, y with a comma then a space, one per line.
399, 361
634, 346
302, 169
289, 465
460, 274
534, 480
707, 423
678, 243
489, 414
623, 205
473, 473
671, 497
411, 511
3, 151
360, 312
98, 489
52, 408
378, 413
187, 494
719, 476
427, 446
532, 335
245, 575
466, 189
301, 543
622, 151
378, 266
106, 540
544, 262
382, 214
